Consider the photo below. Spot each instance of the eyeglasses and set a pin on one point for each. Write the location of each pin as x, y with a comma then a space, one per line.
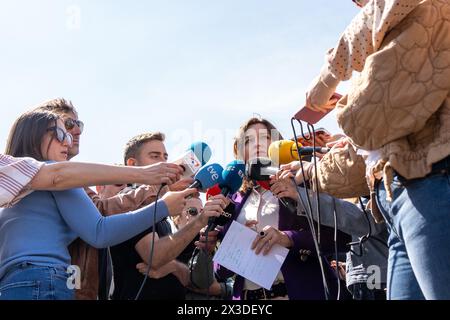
61, 135
70, 123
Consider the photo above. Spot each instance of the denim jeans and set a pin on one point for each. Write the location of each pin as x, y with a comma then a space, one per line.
26, 281
418, 220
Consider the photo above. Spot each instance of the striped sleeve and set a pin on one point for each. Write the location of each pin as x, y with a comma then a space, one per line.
15, 176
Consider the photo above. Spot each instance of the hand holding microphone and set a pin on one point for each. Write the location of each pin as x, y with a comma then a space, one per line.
159, 173
208, 176
176, 201
213, 214
261, 169
285, 151
232, 177
285, 188
293, 170
212, 240
213, 208
181, 184
194, 158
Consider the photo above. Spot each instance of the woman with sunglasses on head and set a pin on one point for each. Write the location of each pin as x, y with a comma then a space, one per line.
34, 233
69, 115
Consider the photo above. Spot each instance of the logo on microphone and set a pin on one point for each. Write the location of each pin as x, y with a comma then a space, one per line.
226, 214
194, 161
213, 172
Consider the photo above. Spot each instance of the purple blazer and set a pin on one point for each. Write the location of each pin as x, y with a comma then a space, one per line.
303, 279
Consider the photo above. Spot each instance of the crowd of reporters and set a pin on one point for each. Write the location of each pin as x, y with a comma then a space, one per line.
377, 197
45, 232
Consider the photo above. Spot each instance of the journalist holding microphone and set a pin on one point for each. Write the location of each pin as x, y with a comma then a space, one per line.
35, 233
23, 175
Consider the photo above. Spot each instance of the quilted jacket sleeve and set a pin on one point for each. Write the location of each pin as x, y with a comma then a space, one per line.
341, 173
404, 83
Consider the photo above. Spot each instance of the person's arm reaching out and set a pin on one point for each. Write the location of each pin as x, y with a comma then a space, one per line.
362, 37
68, 175
83, 217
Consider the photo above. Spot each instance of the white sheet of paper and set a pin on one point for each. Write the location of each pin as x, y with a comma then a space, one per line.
235, 254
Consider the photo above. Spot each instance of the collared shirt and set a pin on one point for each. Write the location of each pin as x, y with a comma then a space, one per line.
15, 175
262, 206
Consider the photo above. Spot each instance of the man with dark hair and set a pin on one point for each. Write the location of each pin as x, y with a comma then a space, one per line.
168, 277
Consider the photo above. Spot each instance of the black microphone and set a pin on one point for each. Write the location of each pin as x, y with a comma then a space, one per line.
221, 220
260, 169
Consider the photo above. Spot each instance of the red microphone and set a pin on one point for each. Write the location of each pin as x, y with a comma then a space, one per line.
213, 191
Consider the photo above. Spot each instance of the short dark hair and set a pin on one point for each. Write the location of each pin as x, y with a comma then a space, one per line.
133, 146
59, 106
27, 132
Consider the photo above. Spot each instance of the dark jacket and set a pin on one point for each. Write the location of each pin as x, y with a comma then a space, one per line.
302, 277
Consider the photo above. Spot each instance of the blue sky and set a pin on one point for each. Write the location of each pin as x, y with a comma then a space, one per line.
194, 69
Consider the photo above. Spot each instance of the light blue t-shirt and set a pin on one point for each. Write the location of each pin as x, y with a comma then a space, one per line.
40, 227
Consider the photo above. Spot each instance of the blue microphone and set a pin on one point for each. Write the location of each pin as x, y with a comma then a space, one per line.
232, 177
207, 177
202, 151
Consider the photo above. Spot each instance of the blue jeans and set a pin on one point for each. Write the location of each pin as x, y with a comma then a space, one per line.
26, 281
418, 220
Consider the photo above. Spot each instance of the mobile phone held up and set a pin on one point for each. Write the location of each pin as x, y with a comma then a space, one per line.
312, 117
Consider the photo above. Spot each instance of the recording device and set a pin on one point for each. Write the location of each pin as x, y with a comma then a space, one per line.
207, 177
312, 117
260, 169
285, 151
232, 177
194, 158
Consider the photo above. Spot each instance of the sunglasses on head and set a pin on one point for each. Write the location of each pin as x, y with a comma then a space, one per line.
70, 124
61, 135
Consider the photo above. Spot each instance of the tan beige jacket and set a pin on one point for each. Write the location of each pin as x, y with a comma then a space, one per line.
341, 173
400, 103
